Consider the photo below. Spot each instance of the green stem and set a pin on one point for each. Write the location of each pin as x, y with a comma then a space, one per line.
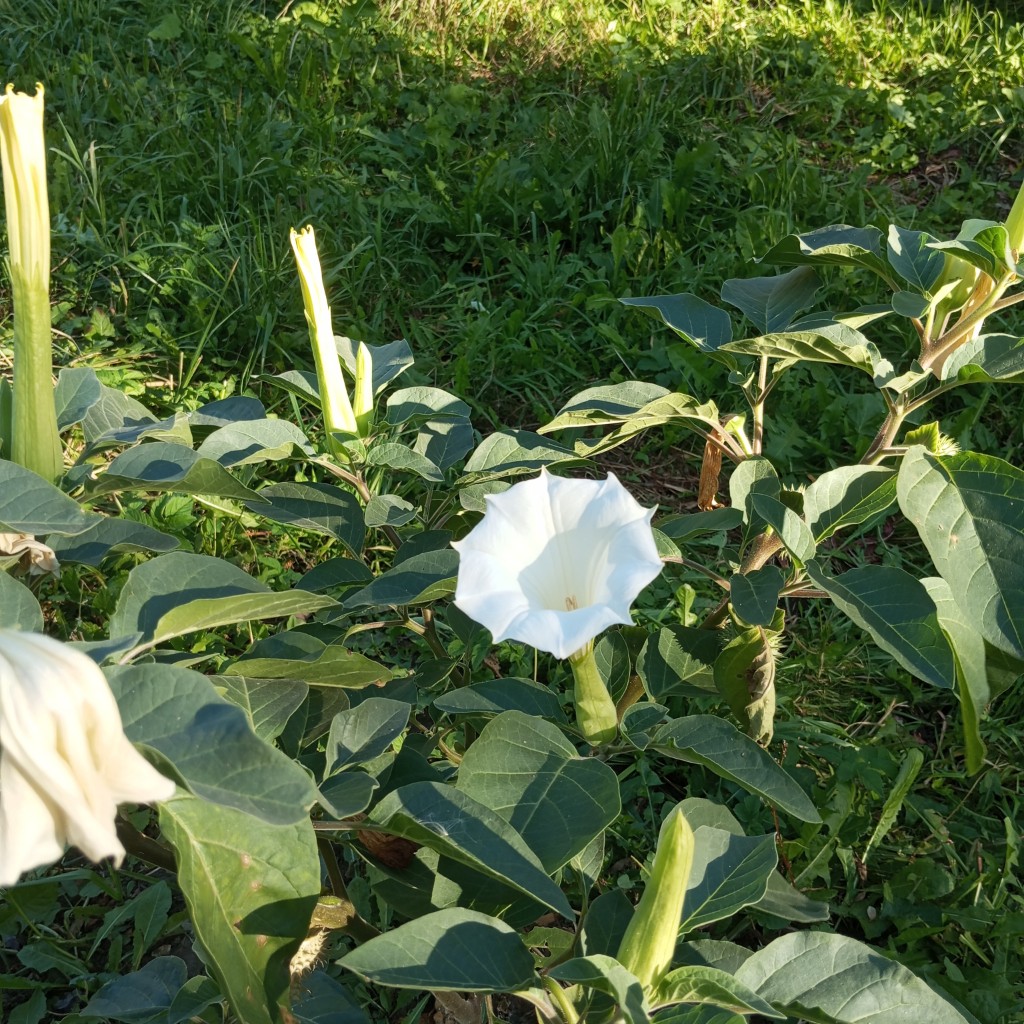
563, 1001
595, 709
758, 406
956, 335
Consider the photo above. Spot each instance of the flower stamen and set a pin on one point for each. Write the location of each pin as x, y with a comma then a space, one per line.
571, 604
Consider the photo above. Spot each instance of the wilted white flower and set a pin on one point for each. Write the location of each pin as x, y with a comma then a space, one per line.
40, 556
65, 762
554, 562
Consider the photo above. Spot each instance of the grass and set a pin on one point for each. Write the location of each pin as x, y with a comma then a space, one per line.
486, 179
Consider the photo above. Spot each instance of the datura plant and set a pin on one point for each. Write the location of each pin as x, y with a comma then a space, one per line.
414, 761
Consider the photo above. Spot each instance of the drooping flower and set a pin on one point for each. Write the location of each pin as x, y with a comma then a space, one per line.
65, 762
555, 561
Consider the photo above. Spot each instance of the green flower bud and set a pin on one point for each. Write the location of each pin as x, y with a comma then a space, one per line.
363, 405
595, 710
650, 941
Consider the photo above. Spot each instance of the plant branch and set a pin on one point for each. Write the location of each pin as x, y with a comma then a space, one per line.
141, 846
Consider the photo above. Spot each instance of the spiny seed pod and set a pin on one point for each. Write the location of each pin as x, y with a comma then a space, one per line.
649, 944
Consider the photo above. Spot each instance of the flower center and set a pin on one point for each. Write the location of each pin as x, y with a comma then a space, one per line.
571, 604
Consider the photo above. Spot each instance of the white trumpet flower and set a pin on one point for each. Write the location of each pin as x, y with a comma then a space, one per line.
65, 762
554, 562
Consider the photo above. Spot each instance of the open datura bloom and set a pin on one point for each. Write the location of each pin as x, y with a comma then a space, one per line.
65, 762
554, 562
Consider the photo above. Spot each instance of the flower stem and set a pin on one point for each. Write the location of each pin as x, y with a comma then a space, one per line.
595, 709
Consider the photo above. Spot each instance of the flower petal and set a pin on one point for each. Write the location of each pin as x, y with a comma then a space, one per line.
28, 825
555, 561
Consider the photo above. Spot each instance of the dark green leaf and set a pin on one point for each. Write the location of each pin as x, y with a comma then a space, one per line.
417, 580
297, 655
791, 529
142, 996
250, 888
426, 404
364, 732
836, 245
991, 357
322, 508
19, 608
720, 746
29, 504
320, 999
755, 596
848, 496
911, 256
400, 459
209, 742
825, 978
168, 466
450, 950
106, 536
896, 609
705, 326
77, 391
771, 303
493, 696
253, 441
528, 772
605, 974
347, 793
513, 453
389, 510
694, 984
449, 821
267, 703
693, 524
679, 660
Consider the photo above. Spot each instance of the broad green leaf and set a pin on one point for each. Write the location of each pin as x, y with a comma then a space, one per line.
836, 245
720, 746
755, 475
77, 391
400, 459
322, 508
297, 655
493, 696
364, 732
254, 441
835, 343
991, 357
528, 772
417, 580
142, 996
168, 466
450, 950
347, 793
181, 593
301, 383
513, 453
30, 504
911, 256
781, 899
320, 999
389, 510
824, 978
729, 872
335, 573
668, 408
445, 442
705, 326
967, 510
209, 742
107, 536
116, 418
971, 668
896, 609
267, 703
791, 529
755, 595
771, 303
192, 999
426, 404
605, 923
605, 974
610, 403
448, 821
683, 1014
847, 496
693, 524
250, 888
694, 984
223, 412
19, 608
389, 360
679, 660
